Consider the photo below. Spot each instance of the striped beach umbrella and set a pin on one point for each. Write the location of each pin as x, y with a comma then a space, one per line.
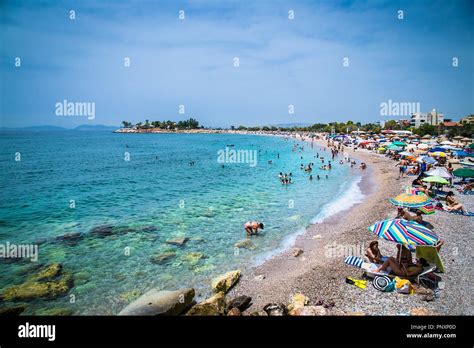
411, 200
404, 232
438, 154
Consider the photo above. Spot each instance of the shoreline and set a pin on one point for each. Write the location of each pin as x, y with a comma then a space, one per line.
320, 276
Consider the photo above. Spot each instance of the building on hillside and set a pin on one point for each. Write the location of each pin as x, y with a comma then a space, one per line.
467, 120
432, 118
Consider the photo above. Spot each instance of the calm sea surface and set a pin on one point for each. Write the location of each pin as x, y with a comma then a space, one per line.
154, 196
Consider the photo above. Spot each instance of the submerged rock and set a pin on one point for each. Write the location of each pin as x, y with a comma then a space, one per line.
102, 231
225, 281
31, 290
71, 238
47, 272
163, 257
161, 302
241, 303
56, 312
246, 244
193, 257
214, 305
149, 229
177, 241
12, 311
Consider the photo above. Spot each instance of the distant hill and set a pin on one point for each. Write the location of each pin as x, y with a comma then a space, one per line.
97, 127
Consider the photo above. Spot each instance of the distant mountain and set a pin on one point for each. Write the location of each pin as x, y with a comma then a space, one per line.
97, 127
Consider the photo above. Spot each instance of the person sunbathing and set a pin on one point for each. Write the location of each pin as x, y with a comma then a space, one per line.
400, 269
373, 253
452, 204
419, 217
402, 214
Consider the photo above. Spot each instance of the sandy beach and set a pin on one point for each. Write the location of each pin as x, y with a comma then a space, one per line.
321, 277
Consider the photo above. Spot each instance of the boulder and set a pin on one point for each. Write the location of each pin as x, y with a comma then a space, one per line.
225, 281
234, 312
12, 311
297, 252
149, 229
160, 302
214, 305
246, 244
309, 311
162, 257
177, 241
275, 309
102, 231
241, 302
298, 301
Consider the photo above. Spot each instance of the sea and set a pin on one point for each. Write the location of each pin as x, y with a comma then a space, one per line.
149, 189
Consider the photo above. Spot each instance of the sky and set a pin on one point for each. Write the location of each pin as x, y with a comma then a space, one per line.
334, 61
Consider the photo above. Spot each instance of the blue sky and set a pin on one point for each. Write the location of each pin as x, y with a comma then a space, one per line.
190, 62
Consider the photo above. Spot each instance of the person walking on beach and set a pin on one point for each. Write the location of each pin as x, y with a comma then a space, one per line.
251, 227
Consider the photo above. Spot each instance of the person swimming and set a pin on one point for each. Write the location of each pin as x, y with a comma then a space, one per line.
252, 227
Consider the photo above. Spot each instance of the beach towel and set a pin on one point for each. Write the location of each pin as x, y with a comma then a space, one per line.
354, 261
459, 212
430, 254
404, 286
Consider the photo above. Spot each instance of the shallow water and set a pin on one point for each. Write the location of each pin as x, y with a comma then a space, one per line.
155, 196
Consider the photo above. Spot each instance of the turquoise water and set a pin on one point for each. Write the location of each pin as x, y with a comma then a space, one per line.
155, 196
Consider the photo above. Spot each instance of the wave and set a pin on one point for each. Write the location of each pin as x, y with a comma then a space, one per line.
348, 196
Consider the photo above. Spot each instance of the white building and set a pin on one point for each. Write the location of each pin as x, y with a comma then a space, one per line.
432, 118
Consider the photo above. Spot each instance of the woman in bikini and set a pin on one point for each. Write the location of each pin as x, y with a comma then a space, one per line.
252, 227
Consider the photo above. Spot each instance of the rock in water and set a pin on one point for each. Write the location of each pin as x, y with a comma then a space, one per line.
177, 241
47, 272
12, 311
156, 302
70, 238
163, 257
193, 257
214, 305
31, 290
275, 309
225, 281
102, 231
241, 302
246, 244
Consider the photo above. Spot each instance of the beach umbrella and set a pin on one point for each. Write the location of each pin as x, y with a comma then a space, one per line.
436, 149
411, 200
441, 171
461, 153
405, 153
426, 159
447, 142
394, 148
449, 147
471, 146
466, 164
464, 173
436, 179
399, 143
423, 146
404, 232
438, 154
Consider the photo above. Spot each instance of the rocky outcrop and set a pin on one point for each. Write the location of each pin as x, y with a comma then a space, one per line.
297, 252
309, 311
214, 305
297, 301
234, 312
102, 231
161, 302
225, 281
193, 257
70, 239
275, 309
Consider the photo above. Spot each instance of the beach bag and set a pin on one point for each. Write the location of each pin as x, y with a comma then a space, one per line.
404, 286
383, 283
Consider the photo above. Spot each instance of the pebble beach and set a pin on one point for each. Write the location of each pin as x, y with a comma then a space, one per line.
320, 276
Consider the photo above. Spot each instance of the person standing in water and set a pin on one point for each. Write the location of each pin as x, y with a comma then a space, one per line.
251, 227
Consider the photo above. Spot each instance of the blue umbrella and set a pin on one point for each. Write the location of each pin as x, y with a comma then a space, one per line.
437, 149
461, 153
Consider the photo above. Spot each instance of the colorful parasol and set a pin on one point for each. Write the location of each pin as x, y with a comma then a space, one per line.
464, 173
436, 179
438, 154
404, 232
409, 200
